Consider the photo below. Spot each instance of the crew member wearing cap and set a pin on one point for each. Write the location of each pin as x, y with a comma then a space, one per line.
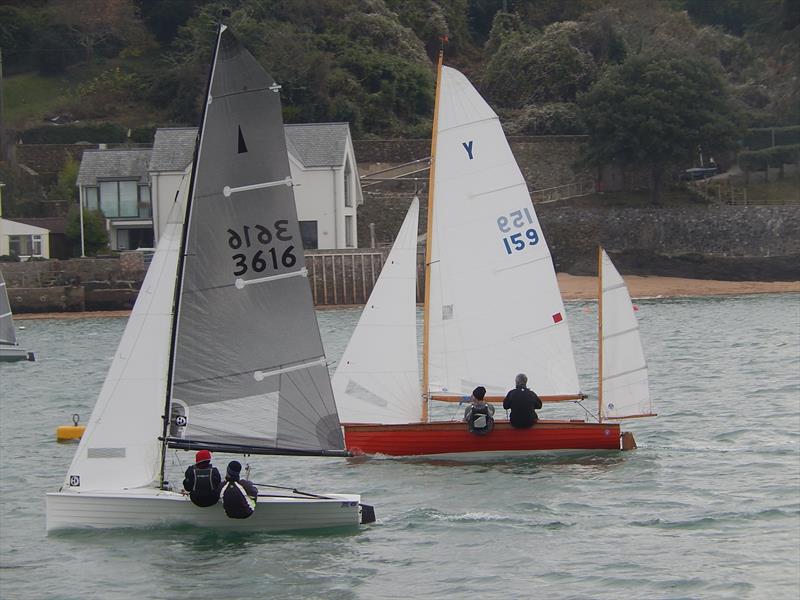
479, 414
238, 495
202, 480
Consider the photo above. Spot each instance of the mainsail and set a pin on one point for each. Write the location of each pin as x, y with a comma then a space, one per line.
495, 308
624, 390
377, 380
249, 372
8, 336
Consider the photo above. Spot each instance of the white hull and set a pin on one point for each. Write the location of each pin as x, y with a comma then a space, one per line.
12, 353
151, 508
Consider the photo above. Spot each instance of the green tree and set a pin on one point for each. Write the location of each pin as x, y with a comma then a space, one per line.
65, 189
653, 111
95, 236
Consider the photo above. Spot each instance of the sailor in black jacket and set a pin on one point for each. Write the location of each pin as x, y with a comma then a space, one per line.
202, 480
238, 495
523, 404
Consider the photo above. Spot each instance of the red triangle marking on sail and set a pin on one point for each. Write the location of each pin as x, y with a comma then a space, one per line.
557, 318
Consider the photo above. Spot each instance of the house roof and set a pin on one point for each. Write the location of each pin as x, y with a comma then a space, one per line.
313, 145
52, 224
114, 164
173, 148
318, 144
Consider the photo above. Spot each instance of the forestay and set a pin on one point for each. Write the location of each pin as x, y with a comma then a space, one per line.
249, 371
7, 334
495, 307
377, 380
625, 391
119, 448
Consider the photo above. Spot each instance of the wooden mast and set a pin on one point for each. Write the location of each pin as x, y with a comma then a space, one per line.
426, 307
600, 334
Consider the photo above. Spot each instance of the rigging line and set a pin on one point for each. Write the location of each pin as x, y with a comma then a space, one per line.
628, 372
469, 124
500, 189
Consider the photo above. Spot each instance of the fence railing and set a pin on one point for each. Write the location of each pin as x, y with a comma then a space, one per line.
563, 192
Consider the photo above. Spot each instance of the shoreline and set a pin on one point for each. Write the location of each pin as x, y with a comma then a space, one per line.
573, 287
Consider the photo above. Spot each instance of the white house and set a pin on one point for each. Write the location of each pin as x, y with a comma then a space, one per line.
117, 182
321, 160
25, 241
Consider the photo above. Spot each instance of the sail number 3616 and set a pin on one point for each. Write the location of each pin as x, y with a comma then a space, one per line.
263, 258
517, 220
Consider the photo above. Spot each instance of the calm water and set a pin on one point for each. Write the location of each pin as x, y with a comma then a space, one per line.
707, 507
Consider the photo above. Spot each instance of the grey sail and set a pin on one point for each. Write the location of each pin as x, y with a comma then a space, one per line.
7, 335
249, 371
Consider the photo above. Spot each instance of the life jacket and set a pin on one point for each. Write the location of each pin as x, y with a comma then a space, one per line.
480, 421
236, 502
204, 492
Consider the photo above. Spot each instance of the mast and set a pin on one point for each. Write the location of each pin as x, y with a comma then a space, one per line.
181, 255
600, 334
428, 239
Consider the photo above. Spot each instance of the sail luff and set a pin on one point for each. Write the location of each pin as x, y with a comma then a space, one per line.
428, 243
600, 333
181, 255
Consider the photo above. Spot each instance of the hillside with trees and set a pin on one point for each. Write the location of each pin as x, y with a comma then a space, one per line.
707, 69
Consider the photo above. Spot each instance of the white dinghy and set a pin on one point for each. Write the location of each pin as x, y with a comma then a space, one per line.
222, 350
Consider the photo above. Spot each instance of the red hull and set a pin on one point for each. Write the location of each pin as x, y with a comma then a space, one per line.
417, 439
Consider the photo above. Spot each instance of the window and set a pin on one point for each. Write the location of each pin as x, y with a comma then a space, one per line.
122, 199
308, 233
90, 198
348, 196
25, 245
348, 231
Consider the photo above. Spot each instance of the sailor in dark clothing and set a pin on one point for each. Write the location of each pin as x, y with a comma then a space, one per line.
479, 414
238, 495
523, 404
202, 480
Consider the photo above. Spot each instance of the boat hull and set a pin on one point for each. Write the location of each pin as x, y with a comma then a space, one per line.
453, 440
13, 353
146, 508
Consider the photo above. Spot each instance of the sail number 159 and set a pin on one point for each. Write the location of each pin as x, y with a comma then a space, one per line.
524, 236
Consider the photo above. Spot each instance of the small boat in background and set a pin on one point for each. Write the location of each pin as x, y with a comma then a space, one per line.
9, 348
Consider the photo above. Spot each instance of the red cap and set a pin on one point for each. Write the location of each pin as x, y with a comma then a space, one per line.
202, 456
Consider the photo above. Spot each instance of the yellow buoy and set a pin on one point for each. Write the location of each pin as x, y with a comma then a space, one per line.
66, 433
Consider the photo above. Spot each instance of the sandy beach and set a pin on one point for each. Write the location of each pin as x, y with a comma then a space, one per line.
574, 287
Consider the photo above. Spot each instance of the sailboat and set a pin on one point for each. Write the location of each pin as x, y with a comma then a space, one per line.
492, 309
9, 347
222, 350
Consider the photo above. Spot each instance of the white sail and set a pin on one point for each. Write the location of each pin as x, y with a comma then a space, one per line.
624, 385
495, 308
377, 380
8, 336
120, 447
